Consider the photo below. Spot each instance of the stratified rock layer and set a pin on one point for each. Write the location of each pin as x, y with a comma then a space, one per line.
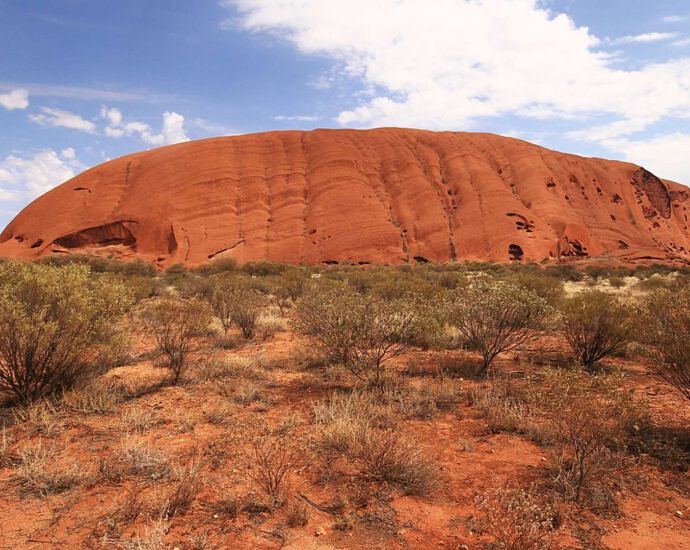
381, 196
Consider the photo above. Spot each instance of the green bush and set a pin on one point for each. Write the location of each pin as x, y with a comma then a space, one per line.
664, 324
57, 326
596, 325
234, 301
174, 323
494, 317
360, 332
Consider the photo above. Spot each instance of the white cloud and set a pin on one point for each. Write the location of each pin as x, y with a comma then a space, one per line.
645, 38
665, 155
449, 63
213, 128
681, 43
674, 18
24, 177
296, 118
63, 119
172, 131
15, 99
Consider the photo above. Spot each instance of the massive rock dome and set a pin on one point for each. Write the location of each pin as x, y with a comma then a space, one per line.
364, 196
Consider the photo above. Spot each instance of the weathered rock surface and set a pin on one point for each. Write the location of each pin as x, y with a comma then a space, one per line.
382, 196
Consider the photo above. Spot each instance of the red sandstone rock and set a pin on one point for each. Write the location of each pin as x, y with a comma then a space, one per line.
386, 196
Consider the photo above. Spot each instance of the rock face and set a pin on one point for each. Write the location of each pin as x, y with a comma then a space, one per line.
382, 196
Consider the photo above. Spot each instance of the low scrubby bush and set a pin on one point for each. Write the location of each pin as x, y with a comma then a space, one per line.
234, 301
494, 317
174, 323
360, 332
58, 326
665, 327
596, 325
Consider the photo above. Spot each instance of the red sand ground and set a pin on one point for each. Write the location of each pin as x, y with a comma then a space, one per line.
385, 195
471, 460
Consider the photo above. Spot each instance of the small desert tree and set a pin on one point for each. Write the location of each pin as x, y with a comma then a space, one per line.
174, 323
589, 419
234, 302
360, 332
595, 325
665, 326
494, 317
57, 326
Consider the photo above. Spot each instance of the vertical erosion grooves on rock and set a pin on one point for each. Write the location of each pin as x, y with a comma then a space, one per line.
386, 195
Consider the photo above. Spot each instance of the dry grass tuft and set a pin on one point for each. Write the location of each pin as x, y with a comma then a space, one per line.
43, 470
517, 519
394, 458
39, 418
134, 458
138, 419
98, 397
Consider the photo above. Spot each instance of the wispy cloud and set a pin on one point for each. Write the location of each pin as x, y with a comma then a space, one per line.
213, 128
296, 118
63, 119
85, 93
674, 18
644, 38
15, 99
682, 43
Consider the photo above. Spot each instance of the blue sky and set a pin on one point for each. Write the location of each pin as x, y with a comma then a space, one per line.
83, 81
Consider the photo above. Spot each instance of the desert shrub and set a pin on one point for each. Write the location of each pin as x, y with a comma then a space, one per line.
502, 410
590, 420
566, 272
296, 514
288, 288
595, 325
517, 519
263, 268
187, 482
362, 333
665, 327
341, 421
234, 302
247, 393
616, 281
219, 265
270, 459
174, 323
57, 325
540, 282
391, 457
494, 317
268, 324
43, 470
